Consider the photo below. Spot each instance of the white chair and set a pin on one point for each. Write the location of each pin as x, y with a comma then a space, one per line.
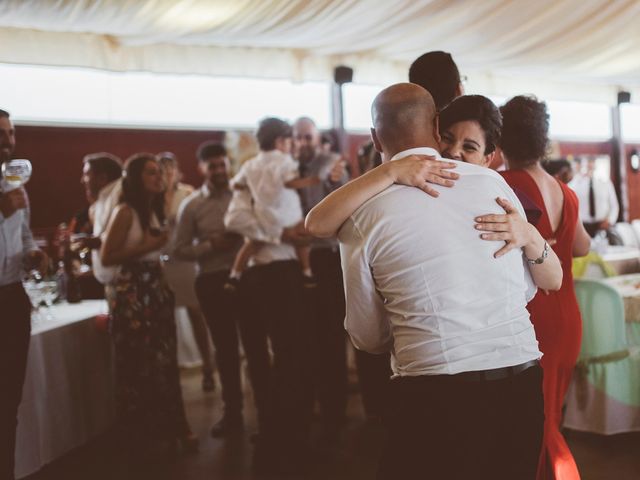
635, 225
627, 234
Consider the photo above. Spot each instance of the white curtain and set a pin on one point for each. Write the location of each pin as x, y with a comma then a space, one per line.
583, 50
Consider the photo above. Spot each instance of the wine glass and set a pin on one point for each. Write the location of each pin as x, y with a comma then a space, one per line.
49, 289
34, 291
15, 174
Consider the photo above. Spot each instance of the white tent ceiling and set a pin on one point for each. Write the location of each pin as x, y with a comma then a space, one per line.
574, 49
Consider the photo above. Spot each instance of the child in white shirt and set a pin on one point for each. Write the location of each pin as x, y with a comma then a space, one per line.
265, 200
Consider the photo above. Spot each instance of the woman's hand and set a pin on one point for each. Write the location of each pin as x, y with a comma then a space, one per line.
509, 227
421, 171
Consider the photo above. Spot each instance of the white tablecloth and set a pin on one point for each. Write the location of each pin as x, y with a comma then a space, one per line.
68, 393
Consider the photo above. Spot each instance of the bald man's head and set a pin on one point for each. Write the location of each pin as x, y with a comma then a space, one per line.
404, 116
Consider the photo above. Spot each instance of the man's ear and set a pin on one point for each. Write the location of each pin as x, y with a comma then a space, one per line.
376, 142
459, 90
436, 128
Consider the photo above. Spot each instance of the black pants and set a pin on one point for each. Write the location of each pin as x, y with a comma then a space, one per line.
330, 354
441, 427
14, 346
272, 306
221, 312
374, 373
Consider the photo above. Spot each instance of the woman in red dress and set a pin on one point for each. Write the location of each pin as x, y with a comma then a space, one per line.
555, 315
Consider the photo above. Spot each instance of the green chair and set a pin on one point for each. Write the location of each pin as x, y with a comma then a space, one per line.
604, 396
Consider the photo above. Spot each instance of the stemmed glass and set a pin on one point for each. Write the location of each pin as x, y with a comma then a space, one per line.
15, 173
34, 291
49, 290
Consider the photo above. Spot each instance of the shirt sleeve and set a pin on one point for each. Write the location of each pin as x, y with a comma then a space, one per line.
365, 319
240, 178
28, 243
614, 207
185, 248
289, 170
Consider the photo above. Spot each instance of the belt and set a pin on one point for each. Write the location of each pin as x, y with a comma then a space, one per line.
495, 373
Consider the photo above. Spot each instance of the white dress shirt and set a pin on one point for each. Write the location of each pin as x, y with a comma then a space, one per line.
606, 202
16, 241
103, 207
419, 281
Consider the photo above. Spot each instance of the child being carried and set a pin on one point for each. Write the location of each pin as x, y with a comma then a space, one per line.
265, 200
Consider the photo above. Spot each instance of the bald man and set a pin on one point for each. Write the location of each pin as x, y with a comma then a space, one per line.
466, 394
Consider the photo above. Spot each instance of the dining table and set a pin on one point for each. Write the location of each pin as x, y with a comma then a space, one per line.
67, 397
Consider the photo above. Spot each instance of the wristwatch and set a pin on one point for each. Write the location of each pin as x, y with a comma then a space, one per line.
541, 258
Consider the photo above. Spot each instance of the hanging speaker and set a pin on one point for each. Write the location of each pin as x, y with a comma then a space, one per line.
342, 74
624, 97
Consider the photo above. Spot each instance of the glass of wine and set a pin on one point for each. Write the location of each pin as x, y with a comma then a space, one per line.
15, 174
34, 291
49, 289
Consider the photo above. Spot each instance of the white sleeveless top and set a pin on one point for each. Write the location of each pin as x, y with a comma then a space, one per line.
135, 235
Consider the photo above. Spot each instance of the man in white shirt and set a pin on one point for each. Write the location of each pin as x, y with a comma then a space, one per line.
102, 181
466, 397
598, 206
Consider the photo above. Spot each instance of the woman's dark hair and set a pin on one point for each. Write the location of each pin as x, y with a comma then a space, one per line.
269, 130
556, 165
476, 108
525, 130
133, 193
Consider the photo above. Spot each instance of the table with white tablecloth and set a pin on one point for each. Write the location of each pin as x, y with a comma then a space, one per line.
68, 393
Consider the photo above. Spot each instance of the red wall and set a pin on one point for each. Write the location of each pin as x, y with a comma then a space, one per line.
56, 153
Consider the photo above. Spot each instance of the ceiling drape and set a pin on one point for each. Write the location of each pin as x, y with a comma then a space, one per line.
572, 49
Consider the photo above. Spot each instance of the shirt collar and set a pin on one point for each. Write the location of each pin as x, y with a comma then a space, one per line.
417, 151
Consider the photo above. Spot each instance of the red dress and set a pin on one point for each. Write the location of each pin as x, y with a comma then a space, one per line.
558, 325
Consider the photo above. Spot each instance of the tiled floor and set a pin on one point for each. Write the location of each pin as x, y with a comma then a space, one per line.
353, 457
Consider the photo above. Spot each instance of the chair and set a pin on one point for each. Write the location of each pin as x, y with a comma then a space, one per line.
591, 266
635, 225
627, 234
604, 396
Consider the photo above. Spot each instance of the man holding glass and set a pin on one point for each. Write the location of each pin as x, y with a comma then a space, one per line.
17, 251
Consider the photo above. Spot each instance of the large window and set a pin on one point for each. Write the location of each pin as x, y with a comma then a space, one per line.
71, 95
357, 106
630, 122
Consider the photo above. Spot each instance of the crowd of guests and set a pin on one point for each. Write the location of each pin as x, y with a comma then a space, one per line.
480, 362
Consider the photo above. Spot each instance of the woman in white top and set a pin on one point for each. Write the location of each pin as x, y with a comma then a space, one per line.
181, 275
148, 395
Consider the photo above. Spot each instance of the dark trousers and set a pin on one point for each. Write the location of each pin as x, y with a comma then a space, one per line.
374, 373
330, 347
272, 313
14, 346
221, 312
441, 427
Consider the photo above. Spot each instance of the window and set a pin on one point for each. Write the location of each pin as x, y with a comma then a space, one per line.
72, 95
357, 106
630, 122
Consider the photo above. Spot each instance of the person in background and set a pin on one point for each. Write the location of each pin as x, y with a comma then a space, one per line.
181, 275
437, 73
17, 252
202, 237
599, 207
555, 315
102, 180
148, 394
560, 168
329, 357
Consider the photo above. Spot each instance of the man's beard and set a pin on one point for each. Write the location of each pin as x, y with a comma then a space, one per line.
306, 154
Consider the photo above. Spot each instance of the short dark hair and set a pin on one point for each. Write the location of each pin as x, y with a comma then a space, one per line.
210, 149
438, 73
476, 108
106, 164
525, 130
4, 114
269, 130
556, 165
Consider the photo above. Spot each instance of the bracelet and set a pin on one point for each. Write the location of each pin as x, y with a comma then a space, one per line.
541, 258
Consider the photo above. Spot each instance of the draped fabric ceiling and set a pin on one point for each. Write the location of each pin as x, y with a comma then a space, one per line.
563, 49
